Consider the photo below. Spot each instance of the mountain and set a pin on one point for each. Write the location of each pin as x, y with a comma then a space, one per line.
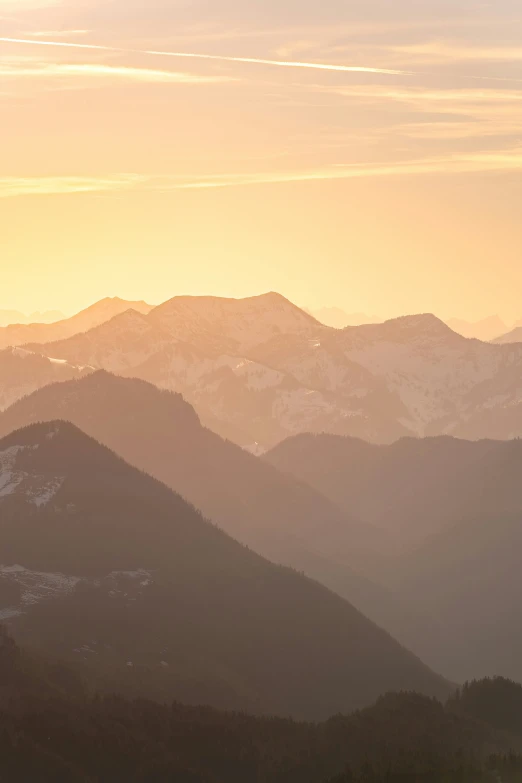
442, 379
276, 515
339, 319
206, 348
233, 325
486, 329
22, 372
260, 370
454, 509
514, 336
103, 563
19, 334
8, 317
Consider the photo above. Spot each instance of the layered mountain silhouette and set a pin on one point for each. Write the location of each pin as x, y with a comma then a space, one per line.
9, 317
104, 564
486, 329
340, 319
20, 333
259, 370
455, 511
282, 518
514, 336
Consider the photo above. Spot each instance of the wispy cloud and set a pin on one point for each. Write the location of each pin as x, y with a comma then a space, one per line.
451, 113
56, 33
97, 71
217, 58
480, 162
27, 5
64, 185
483, 162
441, 52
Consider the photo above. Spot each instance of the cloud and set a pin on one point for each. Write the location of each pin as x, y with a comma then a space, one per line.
464, 113
27, 5
56, 33
441, 52
63, 70
483, 162
64, 185
457, 164
217, 58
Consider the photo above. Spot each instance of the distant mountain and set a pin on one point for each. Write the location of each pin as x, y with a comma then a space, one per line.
454, 509
8, 317
22, 372
278, 516
514, 336
103, 563
19, 334
339, 319
259, 370
486, 329
207, 349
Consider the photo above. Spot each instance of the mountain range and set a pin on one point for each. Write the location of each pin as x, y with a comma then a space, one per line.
106, 566
259, 370
389, 528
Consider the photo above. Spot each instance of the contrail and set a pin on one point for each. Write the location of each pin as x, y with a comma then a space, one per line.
284, 63
59, 43
221, 58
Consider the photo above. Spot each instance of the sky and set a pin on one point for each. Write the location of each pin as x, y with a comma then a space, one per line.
364, 154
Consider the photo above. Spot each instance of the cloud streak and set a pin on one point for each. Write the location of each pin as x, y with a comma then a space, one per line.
66, 185
215, 57
482, 162
144, 75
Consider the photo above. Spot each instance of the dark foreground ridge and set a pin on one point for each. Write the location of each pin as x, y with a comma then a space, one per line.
54, 731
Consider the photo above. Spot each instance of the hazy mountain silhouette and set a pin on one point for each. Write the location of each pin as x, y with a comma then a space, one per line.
455, 509
514, 336
486, 329
339, 319
115, 568
9, 317
273, 513
19, 334
413, 488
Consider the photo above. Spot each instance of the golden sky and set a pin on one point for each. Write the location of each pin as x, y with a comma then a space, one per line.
359, 153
